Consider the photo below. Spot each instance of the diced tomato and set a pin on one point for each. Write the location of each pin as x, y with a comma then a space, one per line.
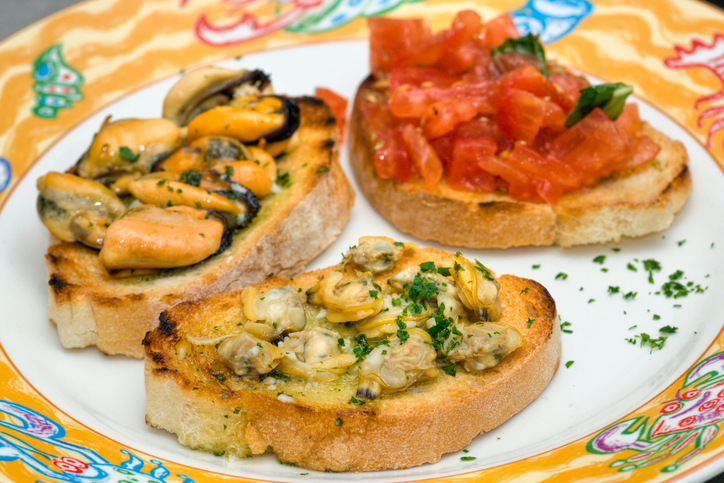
553, 117
426, 160
497, 30
337, 103
527, 78
392, 160
451, 48
410, 43
442, 117
644, 150
520, 114
488, 123
567, 87
532, 176
396, 42
464, 172
416, 76
629, 119
594, 146
409, 101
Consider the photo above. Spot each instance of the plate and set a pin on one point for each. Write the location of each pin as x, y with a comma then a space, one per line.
618, 407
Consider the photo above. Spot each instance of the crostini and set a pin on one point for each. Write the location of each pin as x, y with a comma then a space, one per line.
474, 124
234, 183
388, 360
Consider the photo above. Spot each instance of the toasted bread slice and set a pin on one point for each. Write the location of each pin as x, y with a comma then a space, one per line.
325, 426
293, 226
634, 203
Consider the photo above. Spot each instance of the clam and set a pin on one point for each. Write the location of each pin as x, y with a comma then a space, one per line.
128, 145
478, 346
248, 355
77, 209
208, 87
375, 254
477, 288
395, 314
346, 301
396, 366
273, 312
314, 355
149, 237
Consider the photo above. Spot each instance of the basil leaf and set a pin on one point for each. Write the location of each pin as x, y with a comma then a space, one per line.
525, 45
611, 98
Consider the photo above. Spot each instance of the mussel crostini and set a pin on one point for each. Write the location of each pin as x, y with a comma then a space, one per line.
166, 194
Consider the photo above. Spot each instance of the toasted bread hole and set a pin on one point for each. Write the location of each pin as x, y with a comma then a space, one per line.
532, 310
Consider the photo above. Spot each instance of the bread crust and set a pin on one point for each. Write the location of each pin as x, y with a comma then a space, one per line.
635, 203
321, 430
91, 308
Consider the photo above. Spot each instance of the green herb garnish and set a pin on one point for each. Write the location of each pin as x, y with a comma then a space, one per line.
610, 98
528, 44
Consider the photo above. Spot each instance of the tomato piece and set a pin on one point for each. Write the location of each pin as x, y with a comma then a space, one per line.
629, 119
497, 30
416, 76
411, 101
532, 176
567, 87
464, 172
553, 117
390, 158
444, 46
644, 150
528, 78
442, 117
594, 146
520, 114
337, 103
396, 42
425, 158
410, 43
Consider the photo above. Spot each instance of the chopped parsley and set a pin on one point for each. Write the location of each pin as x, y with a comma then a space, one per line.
667, 329
561, 276
564, 328
600, 259
450, 370
358, 402
283, 180
481, 268
569, 364
651, 266
529, 322
467, 458
126, 153
192, 178
645, 339
612, 290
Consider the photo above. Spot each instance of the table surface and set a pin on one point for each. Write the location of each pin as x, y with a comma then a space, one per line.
17, 14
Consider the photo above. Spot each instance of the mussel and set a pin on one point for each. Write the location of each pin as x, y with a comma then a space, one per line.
150, 237
128, 145
203, 89
77, 209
